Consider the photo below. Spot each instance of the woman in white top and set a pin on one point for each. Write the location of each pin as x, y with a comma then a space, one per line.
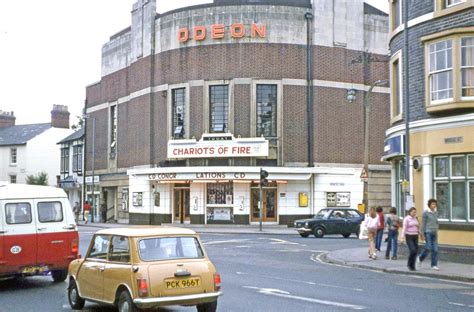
372, 222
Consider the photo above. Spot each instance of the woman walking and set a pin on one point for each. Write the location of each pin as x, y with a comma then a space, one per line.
372, 223
411, 230
393, 224
380, 228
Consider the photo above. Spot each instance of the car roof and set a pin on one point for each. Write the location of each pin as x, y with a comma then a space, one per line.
149, 230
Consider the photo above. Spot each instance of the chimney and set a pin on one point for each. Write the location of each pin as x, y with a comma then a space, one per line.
6, 119
60, 116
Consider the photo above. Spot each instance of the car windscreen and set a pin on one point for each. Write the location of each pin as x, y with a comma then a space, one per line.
161, 248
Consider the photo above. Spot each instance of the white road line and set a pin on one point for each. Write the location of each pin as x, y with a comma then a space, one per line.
285, 294
281, 241
226, 241
243, 246
457, 304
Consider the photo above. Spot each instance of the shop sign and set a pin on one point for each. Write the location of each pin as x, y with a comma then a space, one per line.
204, 148
393, 147
218, 31
338, 199
222, 214
202, 176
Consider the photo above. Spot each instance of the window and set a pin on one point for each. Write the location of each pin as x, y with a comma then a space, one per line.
138, 199
219, 108
396, 84
13, 179
50, 212
119, 249
267, 110
441, 70
450, 70
454, 186
13, 156
18, 213
220, 193
449, 3
399, 194
396, 14
77, 158
178, 107
113, 131
467, 66
152, 249
100, 247
65, 159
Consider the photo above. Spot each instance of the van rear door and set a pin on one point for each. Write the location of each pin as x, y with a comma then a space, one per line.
56, 233
2, 232
19, 237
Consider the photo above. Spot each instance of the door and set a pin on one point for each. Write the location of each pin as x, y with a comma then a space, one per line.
181, 205
19, 236
91, 275
337, 222
269, 209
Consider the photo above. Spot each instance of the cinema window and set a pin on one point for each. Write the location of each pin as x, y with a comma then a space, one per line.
178, 103
218, 108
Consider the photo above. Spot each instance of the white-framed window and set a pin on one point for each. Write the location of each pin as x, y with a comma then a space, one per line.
396, 94
396, 13
13, 155
441, 70
218, 108
453, 182
266, 110
77, 158
467, 66
178, 103
13, 179
65, 159
450, 3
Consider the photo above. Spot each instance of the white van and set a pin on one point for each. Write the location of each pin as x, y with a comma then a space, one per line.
38, 233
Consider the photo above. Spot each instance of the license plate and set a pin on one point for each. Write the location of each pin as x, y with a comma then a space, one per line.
34, 269
182, 283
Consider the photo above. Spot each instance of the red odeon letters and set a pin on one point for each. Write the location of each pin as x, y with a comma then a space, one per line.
218, 31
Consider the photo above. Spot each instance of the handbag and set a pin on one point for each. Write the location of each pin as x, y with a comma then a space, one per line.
364, 231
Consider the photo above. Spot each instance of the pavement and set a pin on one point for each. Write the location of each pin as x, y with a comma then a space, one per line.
354, 257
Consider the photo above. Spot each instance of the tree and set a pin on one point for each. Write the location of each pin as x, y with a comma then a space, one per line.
40, 179
79, 125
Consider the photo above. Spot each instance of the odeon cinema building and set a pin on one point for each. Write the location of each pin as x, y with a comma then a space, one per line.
192, 103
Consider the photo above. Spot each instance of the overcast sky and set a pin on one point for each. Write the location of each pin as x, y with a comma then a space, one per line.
50, 50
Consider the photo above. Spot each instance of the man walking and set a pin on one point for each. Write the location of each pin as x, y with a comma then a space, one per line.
87, 209
429, 230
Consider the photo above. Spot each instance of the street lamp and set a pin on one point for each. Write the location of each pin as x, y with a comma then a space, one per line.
365, 171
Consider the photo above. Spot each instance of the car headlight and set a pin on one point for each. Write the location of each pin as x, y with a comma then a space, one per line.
306, 224
295, 223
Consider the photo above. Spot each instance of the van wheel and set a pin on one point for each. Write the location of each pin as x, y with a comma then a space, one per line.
59, 276
125, 303
207, 307
75, 301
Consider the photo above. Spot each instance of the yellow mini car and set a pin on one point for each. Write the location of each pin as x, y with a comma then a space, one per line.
145, 268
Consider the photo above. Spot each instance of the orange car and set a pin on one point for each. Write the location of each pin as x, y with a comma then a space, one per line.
145, 267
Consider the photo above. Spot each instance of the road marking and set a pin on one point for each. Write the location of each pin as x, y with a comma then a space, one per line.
226, 241
243, 246
281, 241
461, 304
285, 294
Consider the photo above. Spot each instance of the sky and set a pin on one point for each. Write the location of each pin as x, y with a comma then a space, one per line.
50, 50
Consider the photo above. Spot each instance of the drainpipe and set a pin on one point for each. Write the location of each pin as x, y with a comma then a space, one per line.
309, 90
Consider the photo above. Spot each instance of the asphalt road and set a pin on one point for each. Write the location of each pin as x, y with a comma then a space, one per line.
276, 273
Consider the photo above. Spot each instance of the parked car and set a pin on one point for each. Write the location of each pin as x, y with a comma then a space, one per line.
145, 268
38, 233
331, 221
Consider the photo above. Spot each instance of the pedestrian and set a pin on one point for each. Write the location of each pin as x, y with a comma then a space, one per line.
380, 228
103, 212
411, 230
372, 222
77, 210
429, 233
393, 224
87, 209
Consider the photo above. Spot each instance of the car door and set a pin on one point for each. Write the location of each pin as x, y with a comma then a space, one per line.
55, 233
336, 222
90, 278
19, 236
354, 219
118, 267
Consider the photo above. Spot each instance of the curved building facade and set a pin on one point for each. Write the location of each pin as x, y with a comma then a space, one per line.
192, 104
441, 111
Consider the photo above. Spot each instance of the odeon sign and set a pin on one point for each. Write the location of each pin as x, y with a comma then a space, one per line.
218, 31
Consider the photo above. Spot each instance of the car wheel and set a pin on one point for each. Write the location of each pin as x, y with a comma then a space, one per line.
305, 234
59, 276
318, 232
125, 303
346, 235
75, 301
207, 307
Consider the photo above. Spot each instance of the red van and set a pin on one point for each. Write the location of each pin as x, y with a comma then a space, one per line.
38, 233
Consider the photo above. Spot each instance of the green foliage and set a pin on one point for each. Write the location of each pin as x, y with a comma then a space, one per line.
79, 125
39, 179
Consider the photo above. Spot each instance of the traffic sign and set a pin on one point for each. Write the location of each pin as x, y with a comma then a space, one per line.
364, 175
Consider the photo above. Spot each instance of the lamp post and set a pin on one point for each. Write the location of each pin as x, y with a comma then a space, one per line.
365, 170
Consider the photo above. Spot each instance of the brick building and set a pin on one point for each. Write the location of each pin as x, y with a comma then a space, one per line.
441, 111
193, 102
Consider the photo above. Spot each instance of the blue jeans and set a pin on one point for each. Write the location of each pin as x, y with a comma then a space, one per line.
412, 243
378, 239
431, 245
392, 243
